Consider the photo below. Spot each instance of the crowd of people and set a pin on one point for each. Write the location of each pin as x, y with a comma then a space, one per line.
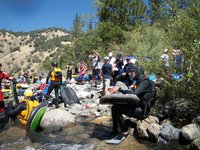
119, 75
177, 65
21, 109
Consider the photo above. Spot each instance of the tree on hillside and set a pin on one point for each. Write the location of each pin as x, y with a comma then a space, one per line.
122, 13
77, 26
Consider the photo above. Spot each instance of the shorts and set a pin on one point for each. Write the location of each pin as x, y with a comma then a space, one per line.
106, 83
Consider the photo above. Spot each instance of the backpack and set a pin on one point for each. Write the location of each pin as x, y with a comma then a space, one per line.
149, 99
153, 99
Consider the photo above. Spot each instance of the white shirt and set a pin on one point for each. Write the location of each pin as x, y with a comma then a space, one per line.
165, 59
112, 61
99, 64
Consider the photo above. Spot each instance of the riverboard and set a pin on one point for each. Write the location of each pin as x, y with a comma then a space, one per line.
120, 99
36, 116
116, 140
69, 96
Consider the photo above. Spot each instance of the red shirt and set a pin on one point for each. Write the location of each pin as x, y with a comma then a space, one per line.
82, 69
3, 75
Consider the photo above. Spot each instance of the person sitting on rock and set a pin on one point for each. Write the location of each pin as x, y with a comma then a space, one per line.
145, 90
82, 70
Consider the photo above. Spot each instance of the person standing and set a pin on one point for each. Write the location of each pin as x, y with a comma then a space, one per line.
111, 59
165, 62
3, 75
96, 66
178, 61
106, 74
118, 65
69, 72
55, 76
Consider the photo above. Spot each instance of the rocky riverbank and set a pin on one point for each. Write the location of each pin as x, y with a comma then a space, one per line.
86, 125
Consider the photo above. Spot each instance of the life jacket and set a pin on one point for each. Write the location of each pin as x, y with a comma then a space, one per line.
56, 75
25, 114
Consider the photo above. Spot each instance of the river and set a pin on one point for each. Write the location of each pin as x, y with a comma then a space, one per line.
82, 136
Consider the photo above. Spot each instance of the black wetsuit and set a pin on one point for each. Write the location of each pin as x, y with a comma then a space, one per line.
53, 85
10, 111
146, 92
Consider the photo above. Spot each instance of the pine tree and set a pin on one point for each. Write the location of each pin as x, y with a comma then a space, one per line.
122, 13
77, 27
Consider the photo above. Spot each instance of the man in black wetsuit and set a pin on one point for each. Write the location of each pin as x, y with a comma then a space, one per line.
144, 89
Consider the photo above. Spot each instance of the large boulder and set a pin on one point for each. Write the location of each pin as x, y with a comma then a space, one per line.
58, 118
190, 132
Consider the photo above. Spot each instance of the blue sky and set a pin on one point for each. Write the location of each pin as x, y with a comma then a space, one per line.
28, 15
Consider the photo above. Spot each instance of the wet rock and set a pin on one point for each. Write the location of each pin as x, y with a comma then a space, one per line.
191, 132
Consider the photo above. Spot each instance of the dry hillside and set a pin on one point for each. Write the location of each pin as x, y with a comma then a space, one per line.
25, 51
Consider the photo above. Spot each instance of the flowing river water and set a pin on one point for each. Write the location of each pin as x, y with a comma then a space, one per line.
85, 135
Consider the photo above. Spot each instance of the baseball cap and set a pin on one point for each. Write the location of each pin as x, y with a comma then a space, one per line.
106, 58
110, 54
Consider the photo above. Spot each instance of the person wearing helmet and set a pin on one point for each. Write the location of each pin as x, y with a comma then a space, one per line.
29, 103
55, 77
144, 89
22, 110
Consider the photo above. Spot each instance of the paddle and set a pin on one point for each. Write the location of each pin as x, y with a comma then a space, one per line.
14, 92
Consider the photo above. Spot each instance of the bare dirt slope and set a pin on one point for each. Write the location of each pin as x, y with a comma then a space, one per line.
19, 52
